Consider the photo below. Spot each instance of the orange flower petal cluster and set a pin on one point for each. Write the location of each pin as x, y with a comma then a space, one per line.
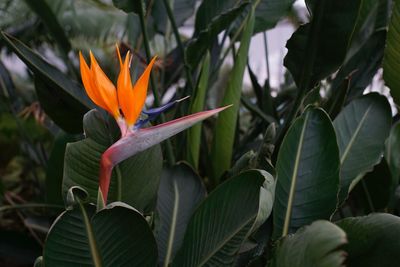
126, 97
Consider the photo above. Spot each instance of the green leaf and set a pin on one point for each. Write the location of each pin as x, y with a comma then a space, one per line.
319, 244
392, 155
44, 12
392, 54
128, 5
222, 147
373, 240
323, 42
134, 181
118, 235
61, 86
194, 133
365, 52
209, 10
225, 219
58, 106
180, 192
201, 41
307, 173
269, 12
374, 191
182, 10
55, 167
361, 129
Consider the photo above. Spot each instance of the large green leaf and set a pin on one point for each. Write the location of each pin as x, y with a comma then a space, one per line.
225, 130
115, 236
361, 128
182, 10
194, 133
209, 10
180, 192
55, 167
317, 245
269, 12
201, 41
392, 54
307, 173
54, 86
323, 42
225, 219
365, 52
134, 181
374, 191
128, 6
44, 12
373, 240
392, 155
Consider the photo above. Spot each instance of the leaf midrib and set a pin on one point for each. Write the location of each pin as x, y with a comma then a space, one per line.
225, 240
354, 136
172, 228
91, 239
294, 177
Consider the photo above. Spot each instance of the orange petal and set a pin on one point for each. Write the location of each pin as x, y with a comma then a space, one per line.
87, 80
125, 93
140, 91
105, 87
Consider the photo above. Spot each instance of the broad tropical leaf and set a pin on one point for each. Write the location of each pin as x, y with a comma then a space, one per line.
201, 41
56, 86
55, 167
307, 173
361, 129
322, 43
269, 12
374, 191
44, 12
373, 240
225, 219
319, 244
135, 181
392, 54
392, 155
118, 235
180, 192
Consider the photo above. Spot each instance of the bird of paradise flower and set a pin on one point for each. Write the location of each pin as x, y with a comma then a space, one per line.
125, 103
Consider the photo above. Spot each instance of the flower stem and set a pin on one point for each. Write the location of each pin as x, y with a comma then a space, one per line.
180, 45
168, 146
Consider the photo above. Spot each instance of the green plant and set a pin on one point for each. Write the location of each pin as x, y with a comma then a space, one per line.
301, 175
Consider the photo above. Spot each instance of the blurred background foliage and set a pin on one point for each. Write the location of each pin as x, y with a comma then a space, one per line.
36, 121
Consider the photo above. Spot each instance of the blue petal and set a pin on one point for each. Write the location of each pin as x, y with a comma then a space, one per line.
154, 112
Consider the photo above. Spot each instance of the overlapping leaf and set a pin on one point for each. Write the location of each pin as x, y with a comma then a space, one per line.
225, 219
319, 244
361, 128
373, 240
135, 181
308, 173
180, 192
116, 236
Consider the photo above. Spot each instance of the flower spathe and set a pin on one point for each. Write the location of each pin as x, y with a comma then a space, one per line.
126, 97
125, 103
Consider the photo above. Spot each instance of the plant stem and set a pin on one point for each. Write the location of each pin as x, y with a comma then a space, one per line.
266, 59
180, 45
168, 146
